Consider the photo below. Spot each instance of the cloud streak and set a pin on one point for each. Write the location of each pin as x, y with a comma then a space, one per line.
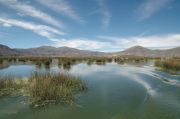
154, 41
150, 7
109, 43
105, 12
28, 10
81, 43
62, 7
41, 30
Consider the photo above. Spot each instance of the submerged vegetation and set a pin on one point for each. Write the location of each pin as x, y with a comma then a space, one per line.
43, 89
169, 65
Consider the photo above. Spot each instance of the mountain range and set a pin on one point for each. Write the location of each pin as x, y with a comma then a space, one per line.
49, 51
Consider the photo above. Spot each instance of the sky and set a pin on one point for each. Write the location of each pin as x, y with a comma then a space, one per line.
97, 25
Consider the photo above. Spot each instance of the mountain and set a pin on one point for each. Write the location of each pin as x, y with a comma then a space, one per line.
6, 51
136, 50
141, 51
174, 52
49, 51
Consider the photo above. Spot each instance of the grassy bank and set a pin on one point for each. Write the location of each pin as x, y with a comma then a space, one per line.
169, 65
44, 89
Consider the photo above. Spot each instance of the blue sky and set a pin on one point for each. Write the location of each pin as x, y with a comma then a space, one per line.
99, 25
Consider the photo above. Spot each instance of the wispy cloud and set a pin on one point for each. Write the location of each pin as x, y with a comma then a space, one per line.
110, 43
41, 30
105, 12
82, 43
26, 9
62, 7
150, 7
154, 41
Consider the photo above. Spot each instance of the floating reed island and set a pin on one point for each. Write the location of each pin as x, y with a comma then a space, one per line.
169, 65
44, 89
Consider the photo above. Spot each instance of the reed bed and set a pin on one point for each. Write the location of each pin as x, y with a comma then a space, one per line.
44, 89
10, 86
74, 60
56, 88
169, 65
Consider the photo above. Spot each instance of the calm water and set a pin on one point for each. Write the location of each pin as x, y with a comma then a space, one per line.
115, 91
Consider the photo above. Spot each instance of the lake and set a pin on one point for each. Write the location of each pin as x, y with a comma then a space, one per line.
115, 91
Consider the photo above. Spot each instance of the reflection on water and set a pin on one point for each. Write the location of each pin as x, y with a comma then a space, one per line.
4, 65
115, 91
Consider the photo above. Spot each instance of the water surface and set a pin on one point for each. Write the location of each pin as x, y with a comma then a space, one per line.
115, 91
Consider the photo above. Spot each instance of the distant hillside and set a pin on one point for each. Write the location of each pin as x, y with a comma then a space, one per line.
55, 52
136, 50
6, 51
141, 51
49, 51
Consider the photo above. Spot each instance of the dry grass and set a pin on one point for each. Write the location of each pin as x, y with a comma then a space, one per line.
56, 88
44, 89
170, 65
